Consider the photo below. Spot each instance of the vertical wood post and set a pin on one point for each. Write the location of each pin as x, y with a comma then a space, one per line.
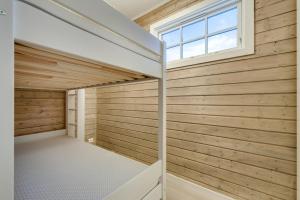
162, 132
81, 114
66, 112
7, 101
298, 101
71, 113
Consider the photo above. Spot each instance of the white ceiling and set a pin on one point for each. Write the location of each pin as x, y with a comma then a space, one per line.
135, 8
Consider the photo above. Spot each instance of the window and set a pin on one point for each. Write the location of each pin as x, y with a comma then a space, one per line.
211, 30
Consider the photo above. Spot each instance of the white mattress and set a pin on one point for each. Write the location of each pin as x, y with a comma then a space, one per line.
63, 168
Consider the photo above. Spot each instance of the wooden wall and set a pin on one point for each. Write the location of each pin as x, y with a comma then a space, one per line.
165, 10
231, 123
38, 111
90, 113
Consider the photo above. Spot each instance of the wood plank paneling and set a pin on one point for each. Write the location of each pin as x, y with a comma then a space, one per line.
44, 69
231, 123
90, 114
38, 111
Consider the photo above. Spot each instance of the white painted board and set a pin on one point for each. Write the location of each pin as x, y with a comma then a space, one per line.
39, 28
138, 187
7, 102
95, 23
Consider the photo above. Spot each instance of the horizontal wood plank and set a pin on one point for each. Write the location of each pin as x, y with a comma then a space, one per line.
231, 123
38, 111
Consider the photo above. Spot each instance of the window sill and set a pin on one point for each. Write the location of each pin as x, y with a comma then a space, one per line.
211, 57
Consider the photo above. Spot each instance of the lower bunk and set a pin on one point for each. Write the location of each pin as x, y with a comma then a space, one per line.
58, 167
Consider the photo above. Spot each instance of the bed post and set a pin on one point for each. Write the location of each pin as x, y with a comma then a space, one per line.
298, 100
7, 101
162, 133
81, 114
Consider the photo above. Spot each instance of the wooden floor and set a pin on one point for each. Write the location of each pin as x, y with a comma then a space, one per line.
41, 69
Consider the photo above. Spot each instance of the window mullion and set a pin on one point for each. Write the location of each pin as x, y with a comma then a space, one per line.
206, 35
181, 43
175, 45
193, 40
223, 31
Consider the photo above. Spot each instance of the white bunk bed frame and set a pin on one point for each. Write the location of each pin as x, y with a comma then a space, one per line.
108, 38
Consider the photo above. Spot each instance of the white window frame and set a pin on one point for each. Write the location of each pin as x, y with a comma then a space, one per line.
203, 10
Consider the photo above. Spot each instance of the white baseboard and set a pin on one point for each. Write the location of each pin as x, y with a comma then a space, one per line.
180, 189
39, 136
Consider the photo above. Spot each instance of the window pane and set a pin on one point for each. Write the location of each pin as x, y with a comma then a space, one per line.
222, 41
193, 31
171, 38
173, 53
222, 21
194, 48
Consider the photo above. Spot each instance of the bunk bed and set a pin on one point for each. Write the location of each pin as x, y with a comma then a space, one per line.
70, 44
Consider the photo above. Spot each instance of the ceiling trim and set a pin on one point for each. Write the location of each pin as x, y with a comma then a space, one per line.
149, 10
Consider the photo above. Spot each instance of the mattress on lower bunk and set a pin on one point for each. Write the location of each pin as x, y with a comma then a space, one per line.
61, 168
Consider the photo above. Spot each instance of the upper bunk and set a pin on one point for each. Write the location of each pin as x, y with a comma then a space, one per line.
71, 36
